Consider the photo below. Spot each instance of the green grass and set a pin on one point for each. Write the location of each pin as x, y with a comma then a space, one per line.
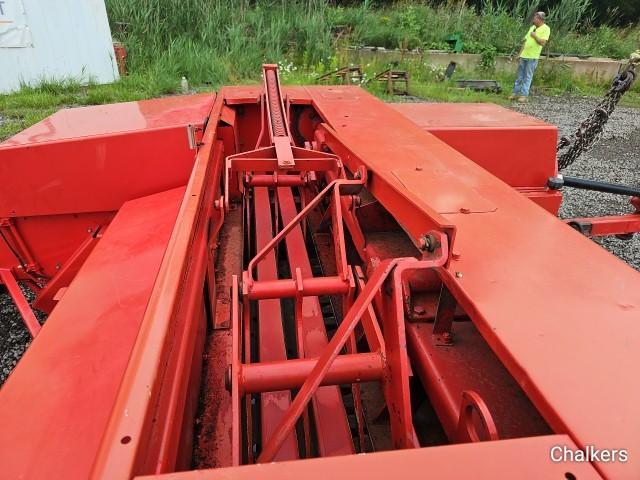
496, 26
29, 105
219, 41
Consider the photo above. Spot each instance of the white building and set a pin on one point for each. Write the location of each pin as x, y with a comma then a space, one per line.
61, 39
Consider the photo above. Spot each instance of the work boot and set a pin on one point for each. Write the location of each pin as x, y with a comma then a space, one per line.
522, 99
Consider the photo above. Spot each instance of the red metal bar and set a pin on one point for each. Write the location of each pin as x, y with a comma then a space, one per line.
295, 222
338, 236
333, 434
166, 436
236, 352
45, 299
397, 353
270, 333
30, 320
607, 225
300, 337
278, 123
288, 288
262, 119
325, 361
18, 246
356, 392
396, 384
243, 163
246, 358
275, 180
369, 320
264, 160
290, 374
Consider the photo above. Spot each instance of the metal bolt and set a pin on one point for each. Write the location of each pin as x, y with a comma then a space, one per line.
419, 310
458, 274
465, 210
418, 169
428, 243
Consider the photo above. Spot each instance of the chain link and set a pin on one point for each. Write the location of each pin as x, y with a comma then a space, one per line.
590, 130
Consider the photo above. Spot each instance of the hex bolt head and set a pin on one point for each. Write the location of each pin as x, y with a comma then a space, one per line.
428, 243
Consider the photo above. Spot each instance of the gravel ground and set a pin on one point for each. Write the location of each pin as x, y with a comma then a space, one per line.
14, 336
615, 158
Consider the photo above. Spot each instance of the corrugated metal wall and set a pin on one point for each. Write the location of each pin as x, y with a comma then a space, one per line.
54, 40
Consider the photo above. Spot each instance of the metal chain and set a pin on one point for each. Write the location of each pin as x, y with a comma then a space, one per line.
592, 127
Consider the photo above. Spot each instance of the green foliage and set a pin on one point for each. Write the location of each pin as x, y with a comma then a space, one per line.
500, 24
568, 15
219, 41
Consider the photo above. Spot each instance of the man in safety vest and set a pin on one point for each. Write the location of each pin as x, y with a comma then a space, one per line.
534, 40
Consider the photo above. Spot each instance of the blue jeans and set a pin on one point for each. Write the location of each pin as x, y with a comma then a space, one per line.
525, 76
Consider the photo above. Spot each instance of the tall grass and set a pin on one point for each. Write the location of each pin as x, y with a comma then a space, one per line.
219, 40
498, 24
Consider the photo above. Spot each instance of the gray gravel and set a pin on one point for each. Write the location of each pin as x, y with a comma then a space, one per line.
616, 158
14, 336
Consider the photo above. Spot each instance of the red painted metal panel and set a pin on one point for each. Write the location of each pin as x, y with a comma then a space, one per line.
517, 148
63, 391
546, 198
74, 123
176, 288
469, 364
52, 239
93, 159
92, 174
525, 458
507, 272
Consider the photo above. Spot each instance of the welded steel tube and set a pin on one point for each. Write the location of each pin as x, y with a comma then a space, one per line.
273, 181
288, 288
288, 374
